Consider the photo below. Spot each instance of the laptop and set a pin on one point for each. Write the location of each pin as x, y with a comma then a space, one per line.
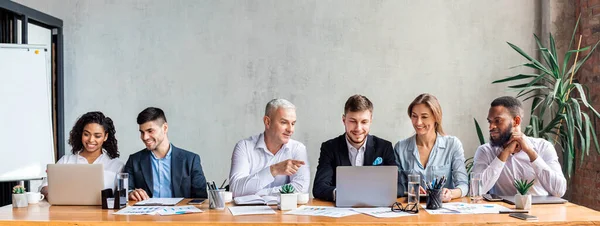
75, 184
536, 199
366, 186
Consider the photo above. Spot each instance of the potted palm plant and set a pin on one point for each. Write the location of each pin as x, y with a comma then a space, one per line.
522, 199
288, 199
18, 198
560, 112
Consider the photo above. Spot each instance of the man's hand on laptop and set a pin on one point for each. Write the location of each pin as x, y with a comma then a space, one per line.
138, 195
288, 167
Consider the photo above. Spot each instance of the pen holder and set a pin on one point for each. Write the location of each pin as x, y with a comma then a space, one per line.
434, 199
215, 200
113, 201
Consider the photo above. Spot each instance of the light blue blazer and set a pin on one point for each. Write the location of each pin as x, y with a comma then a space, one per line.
447, 158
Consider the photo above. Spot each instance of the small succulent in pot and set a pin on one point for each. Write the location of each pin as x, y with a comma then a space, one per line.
287, 189
523, 186
18, 189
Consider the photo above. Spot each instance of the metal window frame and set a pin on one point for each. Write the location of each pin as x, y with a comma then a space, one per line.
29, 15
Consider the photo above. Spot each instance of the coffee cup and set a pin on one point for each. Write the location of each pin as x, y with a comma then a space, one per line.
34, 197
227, 196
303, 198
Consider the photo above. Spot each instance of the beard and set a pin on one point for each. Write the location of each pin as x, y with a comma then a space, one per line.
503, 137
356, 141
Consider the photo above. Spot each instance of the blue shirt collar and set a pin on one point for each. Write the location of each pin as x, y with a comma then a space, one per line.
168, 156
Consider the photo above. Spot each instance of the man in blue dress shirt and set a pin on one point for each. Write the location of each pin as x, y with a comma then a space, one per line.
162, 170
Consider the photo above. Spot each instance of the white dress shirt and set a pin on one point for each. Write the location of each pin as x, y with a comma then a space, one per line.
250, 167
111, 167
498, 176
357, 156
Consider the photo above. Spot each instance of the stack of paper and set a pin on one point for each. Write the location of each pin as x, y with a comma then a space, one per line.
325, 211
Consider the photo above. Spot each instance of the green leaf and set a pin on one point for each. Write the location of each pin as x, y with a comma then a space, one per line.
525, 93
574, 32
553, 48
581, 62
516, 77
584, 99
589, 128
545, 53
595, 138
531, 59
581, 144
524, 87
479, 133
577, 112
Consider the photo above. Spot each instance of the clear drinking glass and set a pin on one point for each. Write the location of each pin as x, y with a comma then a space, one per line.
414, 182
476, 188
123, 184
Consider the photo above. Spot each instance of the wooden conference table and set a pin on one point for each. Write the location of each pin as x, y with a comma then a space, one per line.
44, 214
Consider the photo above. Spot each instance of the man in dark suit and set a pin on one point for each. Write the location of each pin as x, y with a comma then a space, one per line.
162, 170
353, 148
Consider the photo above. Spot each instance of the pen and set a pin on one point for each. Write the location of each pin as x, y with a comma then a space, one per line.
454, 211
223, 184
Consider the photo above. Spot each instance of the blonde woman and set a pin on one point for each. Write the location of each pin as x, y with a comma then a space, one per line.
430, 152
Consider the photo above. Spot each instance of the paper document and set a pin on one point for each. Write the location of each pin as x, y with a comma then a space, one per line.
324, 211
250, 210
161, 210
467, 208
159, 202
139, 210
383, 212
179, 210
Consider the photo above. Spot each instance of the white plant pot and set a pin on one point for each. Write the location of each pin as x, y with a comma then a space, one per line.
523, 202
19, 200
288, 201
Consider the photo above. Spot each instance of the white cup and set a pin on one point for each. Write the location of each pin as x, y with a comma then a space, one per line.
34, 197
227, 196
303, 198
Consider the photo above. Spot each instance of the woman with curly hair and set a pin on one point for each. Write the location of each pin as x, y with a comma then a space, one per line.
93, 141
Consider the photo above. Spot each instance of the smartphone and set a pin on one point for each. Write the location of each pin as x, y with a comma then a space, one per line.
523, 216
196, 201
492, 197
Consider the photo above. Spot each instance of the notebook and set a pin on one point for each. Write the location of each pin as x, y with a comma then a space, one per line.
256, 200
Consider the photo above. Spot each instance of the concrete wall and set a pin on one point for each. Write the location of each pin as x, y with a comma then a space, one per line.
213, 65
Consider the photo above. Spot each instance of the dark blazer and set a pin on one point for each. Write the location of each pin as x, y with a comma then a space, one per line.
187, 177
334, 153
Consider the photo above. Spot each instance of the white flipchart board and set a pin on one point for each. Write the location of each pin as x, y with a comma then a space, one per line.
26, 131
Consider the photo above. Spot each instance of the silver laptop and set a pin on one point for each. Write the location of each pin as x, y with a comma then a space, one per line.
75, 184
536, 199
366, 186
